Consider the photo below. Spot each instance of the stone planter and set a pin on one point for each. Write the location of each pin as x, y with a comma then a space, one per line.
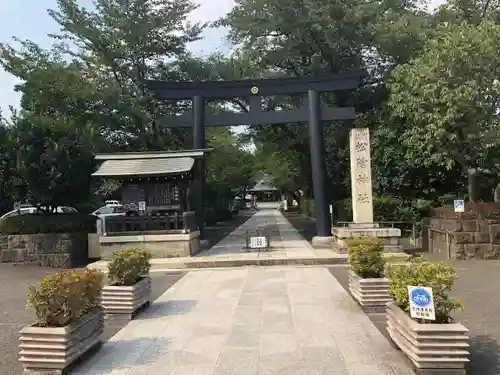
371, 294
124, 301
49, 350
433, 348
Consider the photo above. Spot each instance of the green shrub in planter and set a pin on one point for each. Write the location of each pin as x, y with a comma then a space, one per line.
366, 257
65, 296
439, 277
48, 223
128, 266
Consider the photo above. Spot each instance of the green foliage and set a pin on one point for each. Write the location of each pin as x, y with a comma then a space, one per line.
366, 257
63, 297
396, 175
54, 159
307, 207
297, 38
435, 94
283, 165
388, 209
48, 223
439, 277
229, 165
448, 99
128, 266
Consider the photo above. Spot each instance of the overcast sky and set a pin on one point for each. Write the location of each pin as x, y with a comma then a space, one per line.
28, 19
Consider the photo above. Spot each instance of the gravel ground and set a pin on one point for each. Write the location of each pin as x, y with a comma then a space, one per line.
14, 281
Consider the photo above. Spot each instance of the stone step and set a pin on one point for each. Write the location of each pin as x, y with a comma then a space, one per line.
162, 264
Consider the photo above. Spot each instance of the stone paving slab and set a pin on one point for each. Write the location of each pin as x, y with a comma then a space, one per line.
265, 220
250, 321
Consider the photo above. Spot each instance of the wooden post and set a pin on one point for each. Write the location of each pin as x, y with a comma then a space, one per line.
448, 244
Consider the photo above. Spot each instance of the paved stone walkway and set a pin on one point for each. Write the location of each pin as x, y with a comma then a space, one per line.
288, 247
264, 220
250, 321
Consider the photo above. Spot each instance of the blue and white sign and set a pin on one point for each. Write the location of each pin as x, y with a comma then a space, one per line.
421, 302
459, 205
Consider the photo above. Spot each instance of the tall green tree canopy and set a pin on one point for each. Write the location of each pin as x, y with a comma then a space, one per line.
449, 99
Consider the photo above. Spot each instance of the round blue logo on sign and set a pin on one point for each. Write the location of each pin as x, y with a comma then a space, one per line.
420, 297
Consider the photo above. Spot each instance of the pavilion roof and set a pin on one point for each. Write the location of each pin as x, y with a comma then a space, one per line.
158, 163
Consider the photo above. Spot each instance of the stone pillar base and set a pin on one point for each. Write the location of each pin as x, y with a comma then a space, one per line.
391, 237
320, 242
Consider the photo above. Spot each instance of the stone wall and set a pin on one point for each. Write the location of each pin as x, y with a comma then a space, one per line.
160, 245
57, 250
464, 239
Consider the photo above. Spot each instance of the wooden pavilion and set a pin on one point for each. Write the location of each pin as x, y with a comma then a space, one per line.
156, 202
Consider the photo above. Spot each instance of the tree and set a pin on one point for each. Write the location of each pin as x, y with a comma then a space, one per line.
285, 174
118, 46
229, 166
397, 175
6, 166
449, 99
306, 37
54, 159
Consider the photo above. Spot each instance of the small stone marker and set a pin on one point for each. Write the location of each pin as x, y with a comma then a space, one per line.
421, 302
459, 205
361, 176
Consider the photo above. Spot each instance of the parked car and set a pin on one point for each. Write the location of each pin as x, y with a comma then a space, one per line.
112, 203
107, 211
34, 210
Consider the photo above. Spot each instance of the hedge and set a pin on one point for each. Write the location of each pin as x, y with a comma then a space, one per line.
307, 207
48, 223
386, 209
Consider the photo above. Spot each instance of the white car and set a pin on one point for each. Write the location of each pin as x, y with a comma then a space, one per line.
33, 210
112, 203
107, 211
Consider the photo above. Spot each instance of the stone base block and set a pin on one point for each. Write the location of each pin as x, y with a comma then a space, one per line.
371, 294
429, 346
320, 242
363, 226
124, 301
50, 350
160, 245
391, 237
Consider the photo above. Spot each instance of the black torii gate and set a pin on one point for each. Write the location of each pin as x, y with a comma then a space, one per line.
253, 90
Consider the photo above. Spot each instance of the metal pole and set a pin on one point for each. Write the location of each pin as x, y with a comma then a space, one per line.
317, 147
199, 143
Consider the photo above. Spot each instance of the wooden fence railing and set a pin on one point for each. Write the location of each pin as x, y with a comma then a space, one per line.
174, 223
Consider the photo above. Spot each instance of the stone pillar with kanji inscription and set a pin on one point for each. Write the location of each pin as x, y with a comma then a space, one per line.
362, 224
361, 176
